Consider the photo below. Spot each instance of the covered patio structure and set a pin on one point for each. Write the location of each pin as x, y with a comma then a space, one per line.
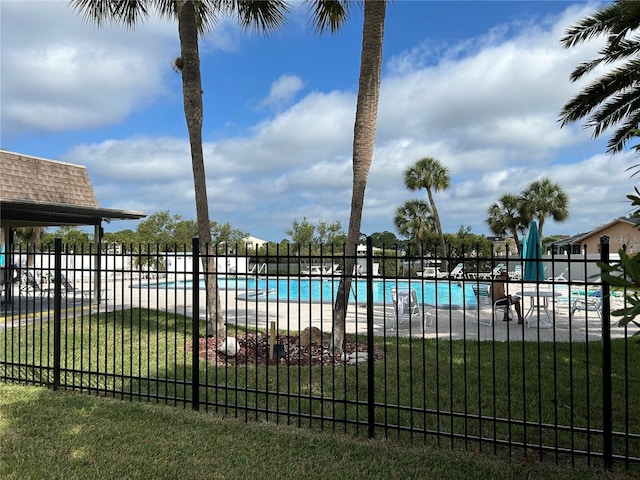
37, 192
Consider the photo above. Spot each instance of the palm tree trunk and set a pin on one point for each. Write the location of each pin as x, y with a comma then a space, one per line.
436, 218
192, 93
516, 238
364, 134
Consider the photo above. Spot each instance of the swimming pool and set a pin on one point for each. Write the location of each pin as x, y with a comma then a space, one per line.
326, 290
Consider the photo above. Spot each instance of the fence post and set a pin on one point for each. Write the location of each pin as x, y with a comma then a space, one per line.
195, 325
370, 345
607, 423
57, 311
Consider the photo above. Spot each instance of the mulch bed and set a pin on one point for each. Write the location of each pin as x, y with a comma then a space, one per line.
254, 348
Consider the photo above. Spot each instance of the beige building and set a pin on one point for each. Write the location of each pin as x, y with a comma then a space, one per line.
620, 232
254, 243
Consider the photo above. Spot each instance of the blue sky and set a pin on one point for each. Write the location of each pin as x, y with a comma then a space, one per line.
478, 85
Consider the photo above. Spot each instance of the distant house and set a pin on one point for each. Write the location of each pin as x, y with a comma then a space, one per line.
361, 250
620, 232
254, 243
501, 244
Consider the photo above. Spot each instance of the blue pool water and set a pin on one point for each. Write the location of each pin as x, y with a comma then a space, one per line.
326, 290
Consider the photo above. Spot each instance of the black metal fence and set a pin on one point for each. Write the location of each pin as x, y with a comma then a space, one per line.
428, 356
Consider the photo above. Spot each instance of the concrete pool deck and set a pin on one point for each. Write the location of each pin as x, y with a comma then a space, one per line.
447, 323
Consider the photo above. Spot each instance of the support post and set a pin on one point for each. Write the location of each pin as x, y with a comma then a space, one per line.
370, 345
195, 325
607, 421
57, 311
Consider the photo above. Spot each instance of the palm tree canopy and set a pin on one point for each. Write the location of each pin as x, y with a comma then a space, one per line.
432, 175
262, 16
328, 14
613, 99
507, 215
427, 173
414, 219
543, 199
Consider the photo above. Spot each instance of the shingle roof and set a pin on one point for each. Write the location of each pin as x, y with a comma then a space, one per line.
26, 178
37, 191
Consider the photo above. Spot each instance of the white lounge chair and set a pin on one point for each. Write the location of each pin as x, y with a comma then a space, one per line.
29, 285
332, 270
560, 277
516, 273
457, 272
588, 303
406, 305
69, 290
432, 272
494, 273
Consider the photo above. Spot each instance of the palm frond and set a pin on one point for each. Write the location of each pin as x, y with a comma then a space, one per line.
328, 14
595, 25
624, 133
99, 12
628, 48
614, 110
601, 99
262, 16
616, 20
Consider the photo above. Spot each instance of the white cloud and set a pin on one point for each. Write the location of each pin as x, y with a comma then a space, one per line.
486, 107
282, 92
63, 74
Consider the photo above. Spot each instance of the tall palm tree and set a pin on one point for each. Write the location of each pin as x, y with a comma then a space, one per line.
613, 99
364, 133
508, 216
433, 176
543, 199
414, 219
194, 18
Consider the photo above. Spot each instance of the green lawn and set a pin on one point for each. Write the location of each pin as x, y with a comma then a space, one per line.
427, 392
61, 435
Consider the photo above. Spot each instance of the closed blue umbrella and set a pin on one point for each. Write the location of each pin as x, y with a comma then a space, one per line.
533, 267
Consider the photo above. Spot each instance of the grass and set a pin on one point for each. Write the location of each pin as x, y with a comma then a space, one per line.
61, 435
436, 393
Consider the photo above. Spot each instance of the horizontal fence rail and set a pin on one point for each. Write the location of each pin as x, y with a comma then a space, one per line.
422, 353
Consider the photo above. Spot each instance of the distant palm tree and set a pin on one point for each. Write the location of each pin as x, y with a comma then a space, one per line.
543, 199
31, 237
433, 176
508, 216
612, 99
414, 219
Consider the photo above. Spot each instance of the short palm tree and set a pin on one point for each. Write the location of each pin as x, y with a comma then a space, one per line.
508, 216
612, 99
433, 176
414, 219
543, 199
